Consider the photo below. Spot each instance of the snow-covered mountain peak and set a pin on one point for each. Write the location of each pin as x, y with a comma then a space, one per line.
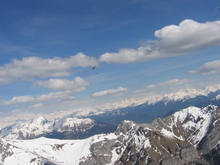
39, 120
184, 94
194, 121
212, 88
72, 121
195, 113
217, 97
40, 126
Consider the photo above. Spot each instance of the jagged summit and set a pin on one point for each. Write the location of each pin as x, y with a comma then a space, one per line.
190, 124
39, 120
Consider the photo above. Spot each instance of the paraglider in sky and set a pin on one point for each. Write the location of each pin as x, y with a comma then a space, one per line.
95, 67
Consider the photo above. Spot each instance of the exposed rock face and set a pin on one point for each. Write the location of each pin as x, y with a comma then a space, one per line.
190, 136
186, 137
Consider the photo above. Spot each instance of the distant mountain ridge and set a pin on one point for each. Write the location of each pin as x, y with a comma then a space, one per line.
213, 101
153, 99
141, 110
147, 112
189, 136
64, 128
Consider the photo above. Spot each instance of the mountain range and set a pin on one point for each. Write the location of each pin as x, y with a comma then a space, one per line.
64, 128
164, 106
73, 125
118, 133
189, 136
143, 109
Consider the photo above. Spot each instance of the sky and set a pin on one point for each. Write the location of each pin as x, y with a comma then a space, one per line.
48, 49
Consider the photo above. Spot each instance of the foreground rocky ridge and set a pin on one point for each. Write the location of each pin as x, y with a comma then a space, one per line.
189, 136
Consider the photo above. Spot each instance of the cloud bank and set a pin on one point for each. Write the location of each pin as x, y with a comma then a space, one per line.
208, 68
118, 91
188, 36
77, 85
19, 99
52, 96
38, 105
30, 67
60, 96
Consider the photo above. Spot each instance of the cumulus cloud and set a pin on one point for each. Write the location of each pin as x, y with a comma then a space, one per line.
77, 85
174, 81
58, 96
38, 105
174, 40
208, 68
52, 96
18, 99
30, 67
118, 91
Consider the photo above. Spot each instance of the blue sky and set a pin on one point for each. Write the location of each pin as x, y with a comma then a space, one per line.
48, 48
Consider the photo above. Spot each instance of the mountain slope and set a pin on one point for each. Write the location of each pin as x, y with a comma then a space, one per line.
46, 151
213, 101
177, 139
189, 136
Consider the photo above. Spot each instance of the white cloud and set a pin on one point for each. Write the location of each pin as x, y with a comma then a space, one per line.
120, 90
208, 68
77, 85
38, 105
58, 96
19, 99
174, 81
187, 37
30, 67
53, 96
